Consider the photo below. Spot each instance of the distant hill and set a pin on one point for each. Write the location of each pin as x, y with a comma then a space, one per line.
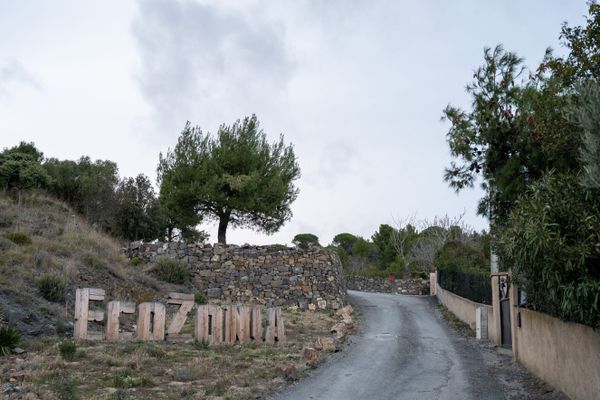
46, 247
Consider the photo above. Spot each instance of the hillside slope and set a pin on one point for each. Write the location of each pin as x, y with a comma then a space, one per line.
63, 246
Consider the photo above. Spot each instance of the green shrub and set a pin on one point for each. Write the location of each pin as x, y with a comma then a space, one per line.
9, 339
172, 271
200, 298
135, 261
52, 287
65, 388
61, 328
18, 238
201, 344
551, 241
67, 349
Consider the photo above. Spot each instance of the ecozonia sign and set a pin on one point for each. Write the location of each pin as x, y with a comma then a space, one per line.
213, 324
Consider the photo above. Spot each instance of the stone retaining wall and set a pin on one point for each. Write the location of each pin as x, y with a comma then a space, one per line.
267, 275
386, 285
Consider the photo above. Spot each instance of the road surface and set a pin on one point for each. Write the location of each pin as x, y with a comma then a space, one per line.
405, 350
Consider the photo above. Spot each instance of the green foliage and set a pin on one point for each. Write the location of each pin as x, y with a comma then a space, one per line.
135, 261
344, 240
61, 328
552, 240
201, 344
199, 298
64, 388
17, 237
462, 257
9, 339
20, 168
587, 116
384, 240
138, 214
89, 187
235, 177
52, 287
306, 240
68, 350
170, 270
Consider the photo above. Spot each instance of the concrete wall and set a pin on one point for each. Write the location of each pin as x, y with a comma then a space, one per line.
265, 275
466, 310
564, 354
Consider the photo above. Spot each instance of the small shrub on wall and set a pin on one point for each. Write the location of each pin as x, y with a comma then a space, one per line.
171, 271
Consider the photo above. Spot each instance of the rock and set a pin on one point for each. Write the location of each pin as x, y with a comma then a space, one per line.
326, 344
311, 357
347, 310
322, 304
312, 307
214, 293
339, 330
289, 371
18, 350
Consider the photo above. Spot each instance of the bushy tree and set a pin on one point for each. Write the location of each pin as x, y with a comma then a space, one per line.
306, 240
384, 240
587, 115
20, 168
552, 241
137, 214
87, 186
235, 177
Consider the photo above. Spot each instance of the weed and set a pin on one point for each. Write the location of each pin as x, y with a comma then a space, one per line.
171, 271
185, 374
454, 322
9, 339
18, 238
45, 310
61, 328
201, 344
52, 287
200, 298
93, 260
219, 388
125, 378
67, 349
64, 388
135, 261
155, 352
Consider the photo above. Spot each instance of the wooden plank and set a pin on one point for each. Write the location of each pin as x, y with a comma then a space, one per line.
181, 296
143, 321
96, 294
216, 332
230, 322
243, 324
201, 332
179, 319
82, 297
271, 328
158, 325
256, 333
95, 315
112, 320
114, 310
280, 327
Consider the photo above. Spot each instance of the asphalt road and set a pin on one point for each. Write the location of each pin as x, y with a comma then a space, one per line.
405, 350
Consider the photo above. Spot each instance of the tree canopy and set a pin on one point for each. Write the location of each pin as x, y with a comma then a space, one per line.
235, 177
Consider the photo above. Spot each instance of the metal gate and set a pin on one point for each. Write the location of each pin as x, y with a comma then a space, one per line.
504, 284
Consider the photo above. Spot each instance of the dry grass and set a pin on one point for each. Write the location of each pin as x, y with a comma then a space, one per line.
454, 322
142, 370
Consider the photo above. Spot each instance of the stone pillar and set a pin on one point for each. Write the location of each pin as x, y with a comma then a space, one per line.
432, 283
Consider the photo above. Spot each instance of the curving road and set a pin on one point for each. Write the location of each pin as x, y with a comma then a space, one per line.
407, 351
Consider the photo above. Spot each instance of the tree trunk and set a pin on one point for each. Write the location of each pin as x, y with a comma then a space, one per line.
223, 222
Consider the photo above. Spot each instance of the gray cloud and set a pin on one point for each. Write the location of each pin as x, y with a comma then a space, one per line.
196, 57
12, 72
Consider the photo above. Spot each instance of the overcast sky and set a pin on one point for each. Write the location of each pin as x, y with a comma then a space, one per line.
357, 86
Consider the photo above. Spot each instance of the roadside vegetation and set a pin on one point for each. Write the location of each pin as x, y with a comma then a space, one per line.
531, 138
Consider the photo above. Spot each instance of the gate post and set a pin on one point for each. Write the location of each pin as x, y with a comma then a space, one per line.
496, 309
432, 283
514, 311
